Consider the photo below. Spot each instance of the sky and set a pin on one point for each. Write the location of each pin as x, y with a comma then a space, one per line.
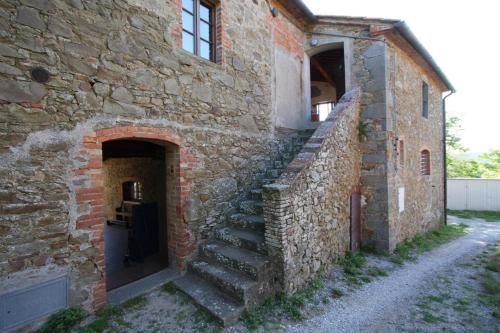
462, 37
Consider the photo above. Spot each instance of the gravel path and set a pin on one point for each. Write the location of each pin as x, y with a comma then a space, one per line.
378, 306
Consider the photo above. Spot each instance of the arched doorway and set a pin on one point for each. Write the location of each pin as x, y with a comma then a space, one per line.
135, 204
328, 79
89, 189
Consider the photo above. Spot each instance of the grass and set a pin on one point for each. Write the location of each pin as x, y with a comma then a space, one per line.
470, 214
290, 306
104, 316
337, 293
427, 241
490, 282
352, 263
376, 271
431, 318
63, 321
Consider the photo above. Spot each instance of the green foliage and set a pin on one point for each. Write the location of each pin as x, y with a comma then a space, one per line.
453, 140
362, 131
460, 168
63, 321
352, 263
471, 214
337, 293
376, 271
426, 241
134, 302
490, 282
290, 306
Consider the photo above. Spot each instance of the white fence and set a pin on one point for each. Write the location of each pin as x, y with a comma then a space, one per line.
474, 194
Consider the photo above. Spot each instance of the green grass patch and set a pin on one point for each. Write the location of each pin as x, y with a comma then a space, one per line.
337, 293
376, 271
490, 282
173, 290
432, 318
427, 241
135, 302
471, 214
62, 321
289, 306
352, 263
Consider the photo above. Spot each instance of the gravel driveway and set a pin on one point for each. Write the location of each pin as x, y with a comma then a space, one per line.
382, 305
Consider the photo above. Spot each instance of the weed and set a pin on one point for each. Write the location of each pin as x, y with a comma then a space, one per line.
426, 241
437, 298
97, 326
352, 263
365, 279
172, 289
432, 319
252, 319
134, 303
63, 320
337, 293
376, 271
325, 300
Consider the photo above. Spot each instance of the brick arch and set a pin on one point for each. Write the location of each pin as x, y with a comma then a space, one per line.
89, 194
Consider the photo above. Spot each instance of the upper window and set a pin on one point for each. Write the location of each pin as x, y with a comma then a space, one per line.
425, 100
425, 163
198, 28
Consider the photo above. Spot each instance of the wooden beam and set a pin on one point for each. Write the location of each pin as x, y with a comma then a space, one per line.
322, 71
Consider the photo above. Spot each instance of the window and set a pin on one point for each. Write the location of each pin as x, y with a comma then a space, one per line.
198, 28
425, 100
323, 110
401, 154
425, 163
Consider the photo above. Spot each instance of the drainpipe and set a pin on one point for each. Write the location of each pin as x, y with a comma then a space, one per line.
445, 173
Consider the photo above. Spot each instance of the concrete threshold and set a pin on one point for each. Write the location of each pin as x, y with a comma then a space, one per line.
142, 286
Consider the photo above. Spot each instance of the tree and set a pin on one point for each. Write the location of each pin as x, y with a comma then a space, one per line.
491, 164
453, 140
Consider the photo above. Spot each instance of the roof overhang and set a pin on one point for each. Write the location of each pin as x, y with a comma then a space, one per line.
299, 10
401, 35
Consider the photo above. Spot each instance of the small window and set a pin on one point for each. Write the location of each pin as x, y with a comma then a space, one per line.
198, 28
425, 163
425, 100
401, 154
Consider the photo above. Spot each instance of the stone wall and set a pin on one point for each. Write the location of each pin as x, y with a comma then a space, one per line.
116, 71
307, 209
423, 195
365, 70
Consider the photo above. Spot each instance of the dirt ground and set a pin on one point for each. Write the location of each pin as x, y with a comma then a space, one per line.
439, 291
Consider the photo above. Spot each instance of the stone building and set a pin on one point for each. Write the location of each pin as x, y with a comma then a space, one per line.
197, 138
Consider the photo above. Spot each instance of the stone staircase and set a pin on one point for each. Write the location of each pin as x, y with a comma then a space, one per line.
232, 271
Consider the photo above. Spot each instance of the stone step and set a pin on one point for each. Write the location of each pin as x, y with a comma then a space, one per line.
251, 207
245, 239
236, 284
266, 181
253, 264
252, 222
273, 173
224, 308
256, 194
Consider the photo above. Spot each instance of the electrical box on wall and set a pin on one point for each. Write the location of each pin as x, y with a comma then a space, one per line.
21, 306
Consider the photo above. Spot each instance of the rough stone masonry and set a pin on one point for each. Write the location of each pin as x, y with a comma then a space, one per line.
117, 70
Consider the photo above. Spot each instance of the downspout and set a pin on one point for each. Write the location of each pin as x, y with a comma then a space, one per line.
445, 172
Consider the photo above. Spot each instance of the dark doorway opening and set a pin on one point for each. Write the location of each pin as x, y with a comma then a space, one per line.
327, 82
135, 206
355, 216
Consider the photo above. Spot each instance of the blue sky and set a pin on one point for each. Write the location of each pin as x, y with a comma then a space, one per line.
462, 37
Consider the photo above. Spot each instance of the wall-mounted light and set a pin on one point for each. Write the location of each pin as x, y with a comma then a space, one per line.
314, 42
